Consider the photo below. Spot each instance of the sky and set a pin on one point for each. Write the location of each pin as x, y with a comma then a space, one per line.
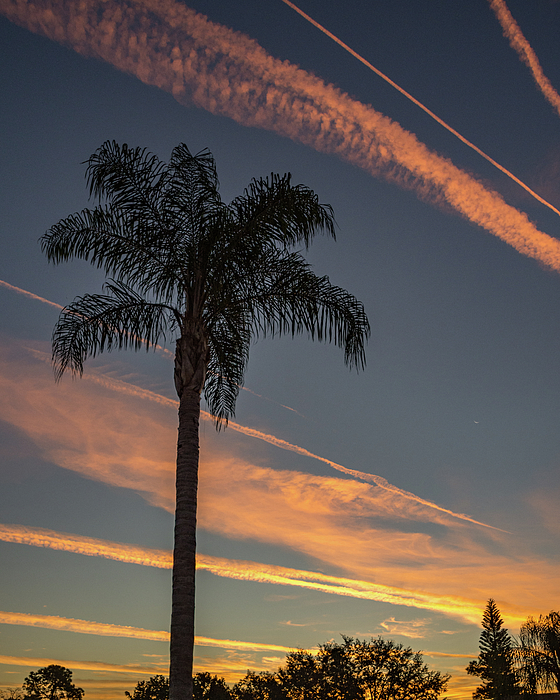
395, 501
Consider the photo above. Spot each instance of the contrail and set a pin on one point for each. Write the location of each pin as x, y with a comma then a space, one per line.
84, 665
30, 295
524, 50
423, 107
165, 43
66, 624
372, 478
135, 391
245, 571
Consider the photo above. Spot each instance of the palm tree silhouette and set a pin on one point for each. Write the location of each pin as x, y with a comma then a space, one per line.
180, 261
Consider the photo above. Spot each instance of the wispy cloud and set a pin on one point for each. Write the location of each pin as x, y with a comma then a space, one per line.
33, 662
166, 44
524, 50
65, 624
101, 459
459, 606
415, 629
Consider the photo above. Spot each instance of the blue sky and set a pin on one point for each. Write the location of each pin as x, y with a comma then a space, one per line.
455, 415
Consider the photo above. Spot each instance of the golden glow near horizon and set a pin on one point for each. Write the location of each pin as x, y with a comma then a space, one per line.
229, 74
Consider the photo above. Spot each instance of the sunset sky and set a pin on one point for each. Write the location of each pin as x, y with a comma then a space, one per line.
392, 502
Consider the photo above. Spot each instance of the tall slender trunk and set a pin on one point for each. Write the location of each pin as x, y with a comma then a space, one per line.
183, 596
191, 361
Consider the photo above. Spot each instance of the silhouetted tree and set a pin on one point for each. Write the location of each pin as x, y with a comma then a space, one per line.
51, 683
207, 687
258, 686
183, 262
12, 694
360, 670
155, 688
495, 664
538, 653
389, 671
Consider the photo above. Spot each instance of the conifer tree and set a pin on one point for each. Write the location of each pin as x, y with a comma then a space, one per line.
495, 660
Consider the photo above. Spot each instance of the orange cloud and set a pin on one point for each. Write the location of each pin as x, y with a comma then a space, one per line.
419, 104
66, 624
166, 44
519, 43
349, 525
46, 422
84, 665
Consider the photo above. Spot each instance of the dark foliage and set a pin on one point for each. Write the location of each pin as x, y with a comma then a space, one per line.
155, 688
495, 664
354, 670
538, 653
51, 683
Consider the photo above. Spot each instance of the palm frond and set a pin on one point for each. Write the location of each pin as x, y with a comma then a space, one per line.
98, 323
132, 179
272, 209
289, 298
229, 340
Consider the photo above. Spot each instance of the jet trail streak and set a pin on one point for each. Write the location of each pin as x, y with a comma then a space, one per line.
30, 295
423, 107
165, 43
66, 624
524, 50
247, 571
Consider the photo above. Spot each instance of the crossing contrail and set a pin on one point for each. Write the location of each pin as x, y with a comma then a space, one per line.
519, 43
423, 107
166, 44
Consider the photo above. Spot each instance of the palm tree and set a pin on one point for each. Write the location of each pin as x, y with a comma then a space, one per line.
180, 261
538, 653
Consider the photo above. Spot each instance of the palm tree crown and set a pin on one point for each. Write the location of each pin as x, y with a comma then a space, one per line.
181, 262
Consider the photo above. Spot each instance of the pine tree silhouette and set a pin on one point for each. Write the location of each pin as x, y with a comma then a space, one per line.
495, 662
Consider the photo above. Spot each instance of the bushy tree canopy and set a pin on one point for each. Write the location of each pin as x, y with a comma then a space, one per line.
354, 670
155, 688
51, 683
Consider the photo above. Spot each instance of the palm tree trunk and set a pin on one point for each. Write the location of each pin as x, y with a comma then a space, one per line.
182, 605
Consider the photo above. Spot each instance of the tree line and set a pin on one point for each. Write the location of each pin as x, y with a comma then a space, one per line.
360, 670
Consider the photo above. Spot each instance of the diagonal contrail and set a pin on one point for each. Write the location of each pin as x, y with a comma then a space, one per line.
165, 43
519, 43
29, 295
423, 107
132, 390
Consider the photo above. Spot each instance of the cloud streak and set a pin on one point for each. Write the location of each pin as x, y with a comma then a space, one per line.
457, 606
519, 43
18, 409
29, 295
84, 665
419, 104
65, 624
166, 44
